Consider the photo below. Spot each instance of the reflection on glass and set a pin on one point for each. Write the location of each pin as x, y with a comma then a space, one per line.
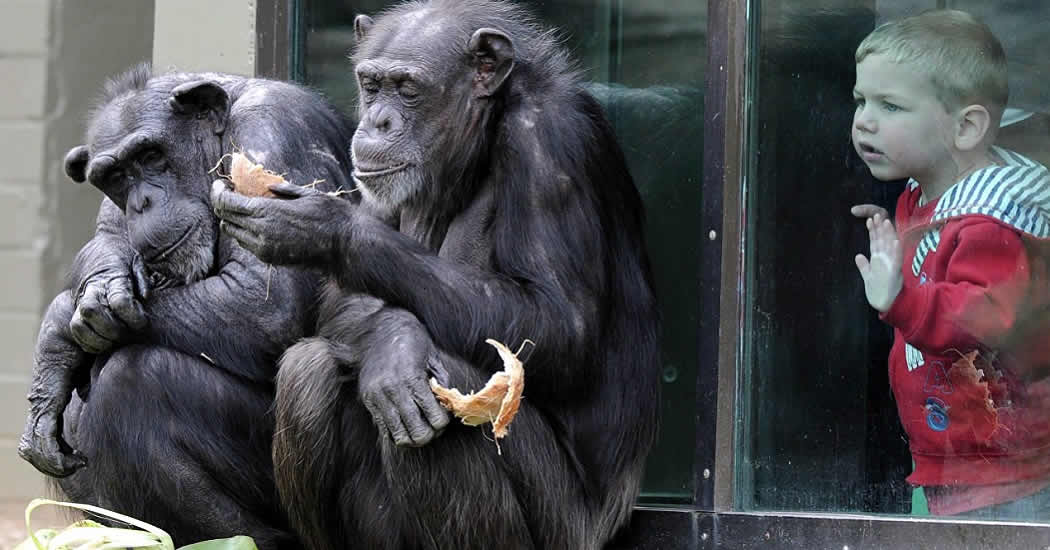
645, 64
959, 275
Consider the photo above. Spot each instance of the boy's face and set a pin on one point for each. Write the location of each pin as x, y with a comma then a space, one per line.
900, 128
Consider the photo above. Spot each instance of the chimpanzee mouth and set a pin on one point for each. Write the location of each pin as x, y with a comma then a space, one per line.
164, 253
378, 172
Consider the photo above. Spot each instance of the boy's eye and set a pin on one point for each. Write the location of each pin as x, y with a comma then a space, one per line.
859, 101
890, 107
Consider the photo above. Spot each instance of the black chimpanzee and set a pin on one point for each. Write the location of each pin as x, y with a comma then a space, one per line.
169, 333
515, 218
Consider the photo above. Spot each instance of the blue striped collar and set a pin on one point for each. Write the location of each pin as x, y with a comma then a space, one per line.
1016, 193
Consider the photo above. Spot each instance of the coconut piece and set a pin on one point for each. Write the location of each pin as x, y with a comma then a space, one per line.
497, 402
251, 179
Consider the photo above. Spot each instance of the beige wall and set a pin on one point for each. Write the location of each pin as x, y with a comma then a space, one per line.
54, 57
205, 35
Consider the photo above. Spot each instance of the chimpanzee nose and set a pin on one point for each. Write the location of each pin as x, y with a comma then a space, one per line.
384, 120
138, 201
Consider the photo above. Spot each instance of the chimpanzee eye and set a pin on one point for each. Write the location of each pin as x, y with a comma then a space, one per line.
369, 85
409, 92
152, 157
116, 175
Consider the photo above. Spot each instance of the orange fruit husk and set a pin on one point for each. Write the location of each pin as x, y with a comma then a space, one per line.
497, 402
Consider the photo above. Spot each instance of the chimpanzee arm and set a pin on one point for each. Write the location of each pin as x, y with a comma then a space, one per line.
57, 360
546, 286
97, 309
387, 348
107, 280
240, 318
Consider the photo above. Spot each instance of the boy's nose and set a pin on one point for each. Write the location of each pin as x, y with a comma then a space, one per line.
864, 122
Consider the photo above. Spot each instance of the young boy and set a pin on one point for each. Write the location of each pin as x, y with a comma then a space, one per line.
962, 279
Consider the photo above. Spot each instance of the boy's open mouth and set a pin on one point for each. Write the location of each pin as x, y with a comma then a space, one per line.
865, 148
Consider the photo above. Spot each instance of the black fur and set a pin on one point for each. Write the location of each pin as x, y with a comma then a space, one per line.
513, 217
171, 421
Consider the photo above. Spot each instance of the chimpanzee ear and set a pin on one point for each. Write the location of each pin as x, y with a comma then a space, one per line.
362, 24
493, 60
202, 99
76, 163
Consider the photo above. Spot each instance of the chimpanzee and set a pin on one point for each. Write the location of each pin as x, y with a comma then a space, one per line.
515, 218
169, 332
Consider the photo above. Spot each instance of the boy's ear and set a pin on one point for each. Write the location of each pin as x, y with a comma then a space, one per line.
973, 124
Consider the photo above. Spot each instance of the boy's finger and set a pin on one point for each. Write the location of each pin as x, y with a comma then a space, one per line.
886, 229
868, 211
862, 264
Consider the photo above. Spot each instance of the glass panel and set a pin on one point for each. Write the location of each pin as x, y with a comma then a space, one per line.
645, 62
820, 428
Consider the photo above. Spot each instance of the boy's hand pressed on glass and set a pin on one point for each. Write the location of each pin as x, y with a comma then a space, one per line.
882, 272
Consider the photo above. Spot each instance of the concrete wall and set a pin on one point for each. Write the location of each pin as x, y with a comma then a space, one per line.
205, 35
54, 57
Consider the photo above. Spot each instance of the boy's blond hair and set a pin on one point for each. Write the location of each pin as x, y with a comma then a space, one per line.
963, 59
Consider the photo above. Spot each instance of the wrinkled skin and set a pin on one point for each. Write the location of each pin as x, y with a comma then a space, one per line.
153, 376
495, 204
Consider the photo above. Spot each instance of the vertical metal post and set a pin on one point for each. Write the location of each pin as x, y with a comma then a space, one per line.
273, 31
724, 131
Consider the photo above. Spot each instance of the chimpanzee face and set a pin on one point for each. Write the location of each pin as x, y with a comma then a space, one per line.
425, 87
397, 99
151, 158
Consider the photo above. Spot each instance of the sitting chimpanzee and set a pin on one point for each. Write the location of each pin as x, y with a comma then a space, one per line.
169, 333
515, 218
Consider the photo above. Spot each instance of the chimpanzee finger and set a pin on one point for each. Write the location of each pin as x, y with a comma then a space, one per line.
393, 421
89, 340
437, 370
415, 431
289, 190
124, 305
377, 417
141, 277
248, 240
436, 415
46, 454
96, 311
231, 206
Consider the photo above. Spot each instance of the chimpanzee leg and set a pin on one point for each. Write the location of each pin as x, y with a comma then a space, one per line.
326, 460
179, 443
344, 486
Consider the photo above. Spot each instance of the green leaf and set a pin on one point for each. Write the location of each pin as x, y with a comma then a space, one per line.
43, 535
235, 543
90, 534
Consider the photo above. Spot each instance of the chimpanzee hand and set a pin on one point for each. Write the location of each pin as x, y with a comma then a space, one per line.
292, 229
394, 386
56, 358
107, 307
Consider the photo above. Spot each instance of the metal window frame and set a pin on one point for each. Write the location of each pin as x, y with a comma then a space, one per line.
713, 520
275, 22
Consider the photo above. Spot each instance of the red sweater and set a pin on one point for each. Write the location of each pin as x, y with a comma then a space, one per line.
971, 337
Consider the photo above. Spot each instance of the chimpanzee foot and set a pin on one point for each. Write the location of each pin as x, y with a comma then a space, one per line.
43, 446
